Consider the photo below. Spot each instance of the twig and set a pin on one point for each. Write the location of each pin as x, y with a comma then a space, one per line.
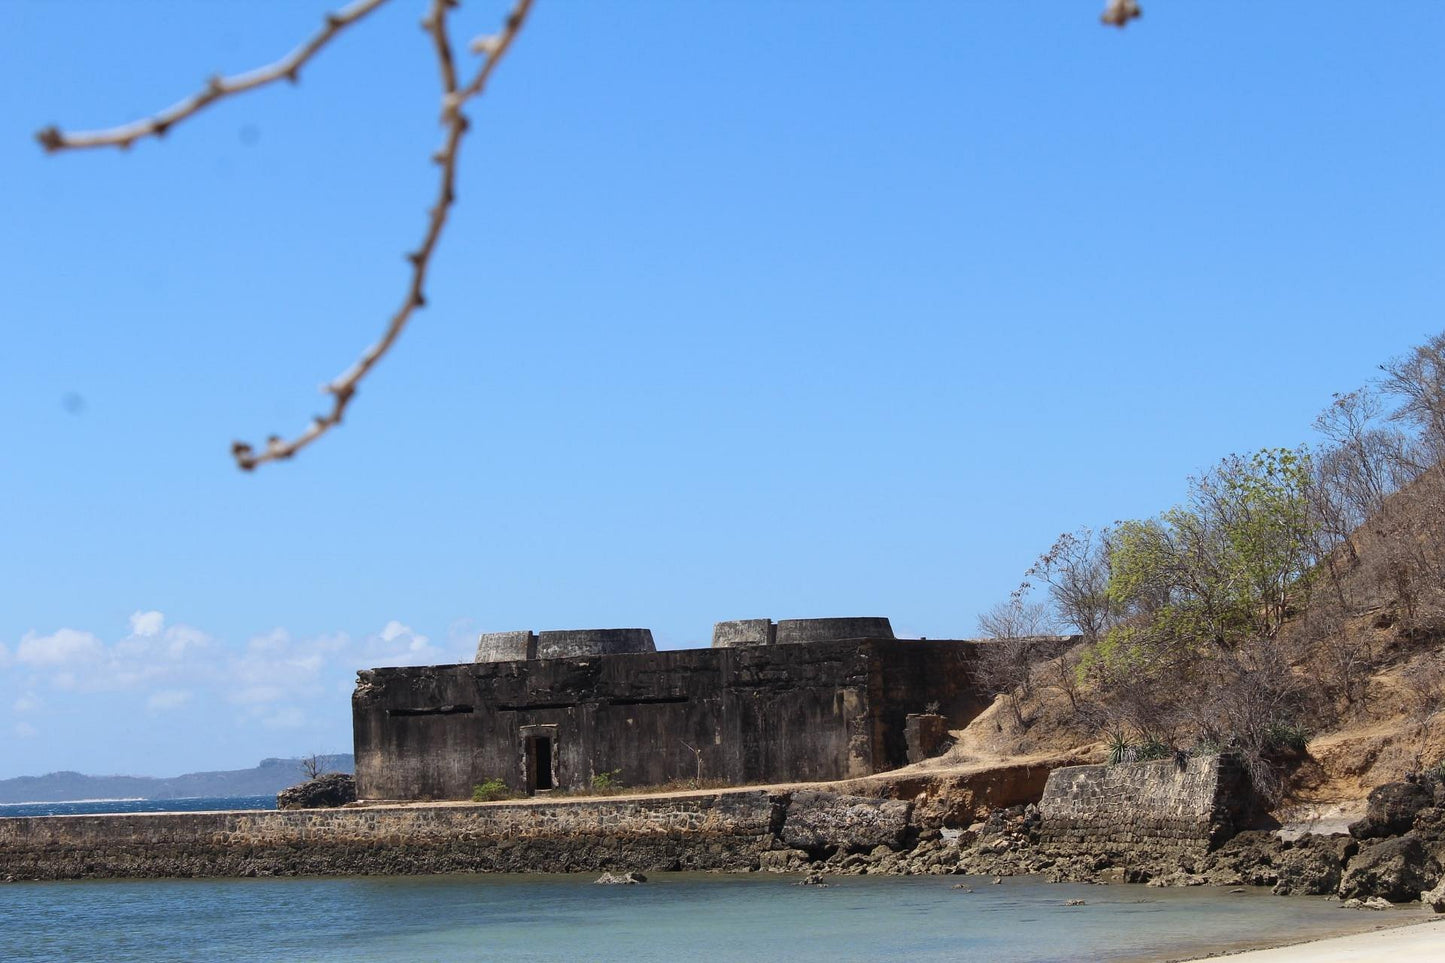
1118, 13
343, 389
217, 88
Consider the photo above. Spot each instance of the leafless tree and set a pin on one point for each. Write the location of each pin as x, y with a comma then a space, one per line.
312, 765
1076, 571
1006, 661
697, 755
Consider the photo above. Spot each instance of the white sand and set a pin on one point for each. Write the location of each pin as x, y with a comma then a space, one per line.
1421, 943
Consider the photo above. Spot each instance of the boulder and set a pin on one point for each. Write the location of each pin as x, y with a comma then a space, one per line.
1314, 865
1435, 898
326, 791
820, 822
1370, 903
621, 879
1398, 870
1250, 857
1430, 827
1391, 810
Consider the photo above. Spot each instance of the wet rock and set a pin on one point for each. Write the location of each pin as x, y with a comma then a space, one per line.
782, 860
813, 879
1074, 902
1398, 870
1391, 810
1249, 858
1369, 903
1314, 865
1435, 898
621, 879
326, 791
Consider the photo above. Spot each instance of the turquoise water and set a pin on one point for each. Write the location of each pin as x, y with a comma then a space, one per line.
85, 807
673, 917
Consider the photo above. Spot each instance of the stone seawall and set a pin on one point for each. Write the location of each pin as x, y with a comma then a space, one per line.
1148, 810
711, 831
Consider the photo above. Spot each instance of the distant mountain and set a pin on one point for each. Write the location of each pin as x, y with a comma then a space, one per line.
271, 776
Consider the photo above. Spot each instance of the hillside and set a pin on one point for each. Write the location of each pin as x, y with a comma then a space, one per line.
268, 778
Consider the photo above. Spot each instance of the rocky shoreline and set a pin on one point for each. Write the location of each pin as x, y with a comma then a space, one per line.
1394, 854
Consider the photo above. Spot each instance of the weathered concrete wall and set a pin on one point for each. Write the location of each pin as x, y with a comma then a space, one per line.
811, 712
729, 831
727, 635
506, 646
1144, 810
925, 733
572, 643
792, 631
561, 644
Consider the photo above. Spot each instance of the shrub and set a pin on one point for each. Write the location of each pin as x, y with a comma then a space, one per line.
609, 780
1118, 749
491, 790
1152, 748
1286, 736
1121, 750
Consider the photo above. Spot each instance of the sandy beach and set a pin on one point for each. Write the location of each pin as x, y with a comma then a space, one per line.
1415, 943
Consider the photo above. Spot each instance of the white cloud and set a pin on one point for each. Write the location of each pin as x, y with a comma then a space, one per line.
25, 730
168, 699
399, 644
180, 639
272, 641
28, 702
394, 630
65, 646
146, 624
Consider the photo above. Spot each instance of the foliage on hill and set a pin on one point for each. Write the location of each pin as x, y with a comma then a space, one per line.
1263, 608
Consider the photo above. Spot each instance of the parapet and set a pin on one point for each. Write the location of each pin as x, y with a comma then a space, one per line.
573, 642
506, 647
517, 646
741, 632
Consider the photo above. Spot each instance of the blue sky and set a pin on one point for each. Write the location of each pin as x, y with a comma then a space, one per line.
745, 310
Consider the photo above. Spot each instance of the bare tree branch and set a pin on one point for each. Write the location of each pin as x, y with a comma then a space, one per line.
343, 389
217, 88
1118, 13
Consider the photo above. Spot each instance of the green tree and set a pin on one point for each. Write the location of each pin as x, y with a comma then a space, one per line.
1228, 566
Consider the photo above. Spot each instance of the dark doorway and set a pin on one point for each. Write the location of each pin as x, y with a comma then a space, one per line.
542, 765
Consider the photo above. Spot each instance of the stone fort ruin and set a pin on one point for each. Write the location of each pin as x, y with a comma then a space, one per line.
788, 701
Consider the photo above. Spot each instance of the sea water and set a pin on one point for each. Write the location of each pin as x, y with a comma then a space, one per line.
673, 916
85, 807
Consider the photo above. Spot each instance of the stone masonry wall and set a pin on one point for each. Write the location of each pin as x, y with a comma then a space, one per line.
707, 831
1146, 810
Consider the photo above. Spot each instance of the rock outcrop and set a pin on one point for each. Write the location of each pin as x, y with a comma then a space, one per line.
1391, 810
326, 791
1398, 870
1314, 865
